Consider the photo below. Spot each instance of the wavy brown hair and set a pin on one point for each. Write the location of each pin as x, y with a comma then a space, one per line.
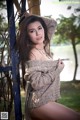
24, 43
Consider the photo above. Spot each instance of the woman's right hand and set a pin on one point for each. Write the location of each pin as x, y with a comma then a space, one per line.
60, 64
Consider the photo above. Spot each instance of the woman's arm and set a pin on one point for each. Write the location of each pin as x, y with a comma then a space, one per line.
39, 78
51, 25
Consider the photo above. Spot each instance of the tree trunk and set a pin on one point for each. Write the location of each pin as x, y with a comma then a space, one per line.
17, 5
34, 6
76, 59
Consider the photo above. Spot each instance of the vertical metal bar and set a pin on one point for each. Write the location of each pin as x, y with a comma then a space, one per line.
14, 60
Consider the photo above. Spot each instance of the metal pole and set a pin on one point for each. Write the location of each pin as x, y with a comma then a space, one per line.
14, 61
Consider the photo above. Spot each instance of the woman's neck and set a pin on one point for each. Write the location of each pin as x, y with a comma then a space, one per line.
40, 46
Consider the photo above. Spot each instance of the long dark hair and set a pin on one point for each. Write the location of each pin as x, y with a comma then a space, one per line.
24, 43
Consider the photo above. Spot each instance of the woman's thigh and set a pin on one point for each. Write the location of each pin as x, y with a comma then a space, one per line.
54, 111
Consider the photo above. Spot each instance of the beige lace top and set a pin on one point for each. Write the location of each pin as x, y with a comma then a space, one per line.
45, 81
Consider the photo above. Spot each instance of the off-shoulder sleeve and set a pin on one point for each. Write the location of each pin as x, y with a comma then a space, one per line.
39, 79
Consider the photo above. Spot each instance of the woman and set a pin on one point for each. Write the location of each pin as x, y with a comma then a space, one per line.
41, 72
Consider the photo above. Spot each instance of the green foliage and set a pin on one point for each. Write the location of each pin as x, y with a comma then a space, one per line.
4, 39
57, 39
3, 23
68, 29
2, 4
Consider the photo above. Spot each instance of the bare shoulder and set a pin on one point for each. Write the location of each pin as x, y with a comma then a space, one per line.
34, 54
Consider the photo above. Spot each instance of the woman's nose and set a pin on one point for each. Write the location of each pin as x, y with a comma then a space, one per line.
37, 32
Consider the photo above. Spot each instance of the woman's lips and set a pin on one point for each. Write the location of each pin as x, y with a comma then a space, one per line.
39, 38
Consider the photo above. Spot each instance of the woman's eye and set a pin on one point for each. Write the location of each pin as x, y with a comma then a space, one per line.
40, 28
31, 31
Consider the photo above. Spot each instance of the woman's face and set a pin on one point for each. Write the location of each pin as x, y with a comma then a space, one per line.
36, 32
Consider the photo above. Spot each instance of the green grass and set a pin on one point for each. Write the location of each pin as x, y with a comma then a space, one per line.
70, 95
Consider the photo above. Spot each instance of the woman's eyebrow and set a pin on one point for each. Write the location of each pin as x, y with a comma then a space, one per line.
31, 29
34, 28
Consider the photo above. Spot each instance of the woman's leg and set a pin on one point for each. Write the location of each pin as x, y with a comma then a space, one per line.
54, 111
